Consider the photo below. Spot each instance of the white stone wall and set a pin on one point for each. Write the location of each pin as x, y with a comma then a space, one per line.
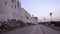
25, 16
9, 11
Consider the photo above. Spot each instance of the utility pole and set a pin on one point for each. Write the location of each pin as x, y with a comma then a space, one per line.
44, 18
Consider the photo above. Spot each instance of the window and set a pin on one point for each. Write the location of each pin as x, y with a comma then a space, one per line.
5, 2
27, 17
15, 6
13, 1
18, 4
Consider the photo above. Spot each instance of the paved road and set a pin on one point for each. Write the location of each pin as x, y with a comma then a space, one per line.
36, 29
47, 30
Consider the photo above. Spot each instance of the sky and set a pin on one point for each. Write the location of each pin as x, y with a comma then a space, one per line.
42, 8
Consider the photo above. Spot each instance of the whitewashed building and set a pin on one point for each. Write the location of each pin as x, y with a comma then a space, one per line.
35, 20
11, 9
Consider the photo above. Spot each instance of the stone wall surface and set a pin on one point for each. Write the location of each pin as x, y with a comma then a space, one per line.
11, 9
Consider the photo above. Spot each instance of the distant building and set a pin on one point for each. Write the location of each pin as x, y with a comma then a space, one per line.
35, 20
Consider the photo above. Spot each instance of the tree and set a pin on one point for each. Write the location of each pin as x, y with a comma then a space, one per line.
51, 15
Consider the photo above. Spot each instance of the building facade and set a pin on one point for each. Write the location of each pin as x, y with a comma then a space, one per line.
35, 20
11, 9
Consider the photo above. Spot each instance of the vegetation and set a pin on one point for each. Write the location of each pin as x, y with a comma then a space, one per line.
12, 24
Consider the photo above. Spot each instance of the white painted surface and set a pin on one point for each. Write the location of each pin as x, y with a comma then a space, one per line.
9, 11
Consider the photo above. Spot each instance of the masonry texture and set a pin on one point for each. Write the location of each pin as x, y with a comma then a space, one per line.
11, 9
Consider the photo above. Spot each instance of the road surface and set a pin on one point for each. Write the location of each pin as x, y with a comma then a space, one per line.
47, 30
35, 29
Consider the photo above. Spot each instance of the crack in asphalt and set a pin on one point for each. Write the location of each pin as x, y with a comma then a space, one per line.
42, 30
